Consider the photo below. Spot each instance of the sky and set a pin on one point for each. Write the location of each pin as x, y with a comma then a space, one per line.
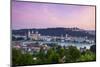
26, 15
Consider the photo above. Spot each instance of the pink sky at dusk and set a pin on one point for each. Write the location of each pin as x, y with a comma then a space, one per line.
41, 15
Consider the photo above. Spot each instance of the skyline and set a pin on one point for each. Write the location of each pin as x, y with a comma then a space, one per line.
44, 15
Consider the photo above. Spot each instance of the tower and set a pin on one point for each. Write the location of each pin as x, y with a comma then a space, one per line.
29, 33
66, 35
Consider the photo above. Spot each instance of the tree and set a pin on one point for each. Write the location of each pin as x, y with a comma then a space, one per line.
72, 54
26, 59
53, 56
61, 52
88, 56
93, 48
21, 59
41, 57
16, 55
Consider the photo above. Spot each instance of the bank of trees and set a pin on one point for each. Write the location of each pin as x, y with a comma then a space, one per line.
21, 59
88, 56
54, 55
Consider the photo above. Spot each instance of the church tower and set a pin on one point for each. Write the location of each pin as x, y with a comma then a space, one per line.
29, 33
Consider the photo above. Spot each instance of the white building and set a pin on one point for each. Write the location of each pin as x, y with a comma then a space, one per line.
33, 36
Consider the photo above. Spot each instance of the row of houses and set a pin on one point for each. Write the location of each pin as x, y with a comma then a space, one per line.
31, 48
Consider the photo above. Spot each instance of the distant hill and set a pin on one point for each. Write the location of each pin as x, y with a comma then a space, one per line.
57, 32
